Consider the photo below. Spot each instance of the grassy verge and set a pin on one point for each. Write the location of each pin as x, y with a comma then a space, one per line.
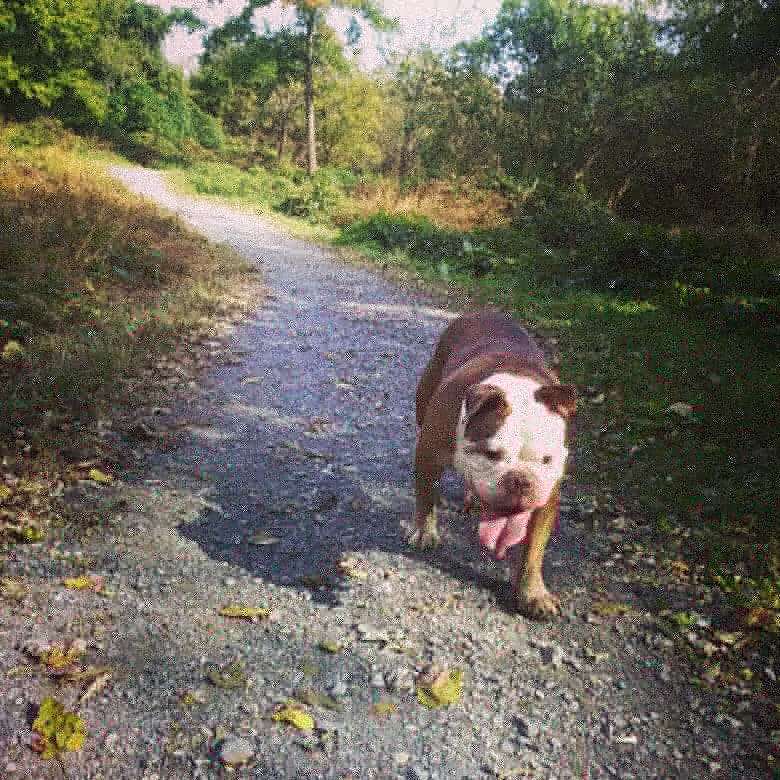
673, 335
95, 288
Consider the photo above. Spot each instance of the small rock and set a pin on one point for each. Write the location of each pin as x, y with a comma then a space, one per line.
528, 727
230, 581
416, 773
401, 758
370, 633
236, 751
378, 680
552, 654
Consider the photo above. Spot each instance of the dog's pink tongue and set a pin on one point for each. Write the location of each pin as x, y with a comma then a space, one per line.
499, 533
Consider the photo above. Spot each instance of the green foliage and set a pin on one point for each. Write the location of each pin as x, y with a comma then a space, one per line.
318, 196
97, 65
444, 250
58, 731
648, 259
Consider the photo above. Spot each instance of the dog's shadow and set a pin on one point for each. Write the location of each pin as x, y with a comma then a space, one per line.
319, 519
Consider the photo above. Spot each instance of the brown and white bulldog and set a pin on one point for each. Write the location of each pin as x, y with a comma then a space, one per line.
488, 407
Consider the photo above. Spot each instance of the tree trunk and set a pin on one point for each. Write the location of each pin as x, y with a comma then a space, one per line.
311, 132
282, 139
404, 163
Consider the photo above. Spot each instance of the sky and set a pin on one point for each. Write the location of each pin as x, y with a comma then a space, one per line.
438, 23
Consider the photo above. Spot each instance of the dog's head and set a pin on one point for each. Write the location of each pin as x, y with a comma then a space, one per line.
511, 440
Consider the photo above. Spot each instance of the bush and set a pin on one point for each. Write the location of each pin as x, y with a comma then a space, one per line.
206, 129
43, 131
419, 237
632, 256
316, 197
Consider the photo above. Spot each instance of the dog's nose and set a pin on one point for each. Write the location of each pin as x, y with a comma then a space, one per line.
514, 483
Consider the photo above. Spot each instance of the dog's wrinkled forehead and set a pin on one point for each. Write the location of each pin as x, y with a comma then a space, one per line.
506, 405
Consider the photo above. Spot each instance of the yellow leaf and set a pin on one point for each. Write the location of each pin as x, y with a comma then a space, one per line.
295, 717
12, 589
96, 475
679, 568
330, 646
240, 611
349, 567
5, 493
57, 658
385, 708
85, 582
610, 608
443, 690
58, 731
12, 350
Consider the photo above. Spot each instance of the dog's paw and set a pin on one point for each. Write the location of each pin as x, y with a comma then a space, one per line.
538, 603
427, 537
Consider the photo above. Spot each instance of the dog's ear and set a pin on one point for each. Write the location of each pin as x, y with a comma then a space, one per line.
561, 399
486, 409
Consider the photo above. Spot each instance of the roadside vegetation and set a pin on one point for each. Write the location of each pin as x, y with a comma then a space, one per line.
610, 176
96, 287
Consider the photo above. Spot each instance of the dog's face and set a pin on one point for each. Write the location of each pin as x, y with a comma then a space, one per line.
511, 441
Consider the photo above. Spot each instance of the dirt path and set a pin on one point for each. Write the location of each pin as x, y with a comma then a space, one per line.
306, 440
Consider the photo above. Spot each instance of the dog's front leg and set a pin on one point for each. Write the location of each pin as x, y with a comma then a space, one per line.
533, 598
427, 473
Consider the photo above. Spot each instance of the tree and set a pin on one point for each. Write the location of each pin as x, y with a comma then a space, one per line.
311, 17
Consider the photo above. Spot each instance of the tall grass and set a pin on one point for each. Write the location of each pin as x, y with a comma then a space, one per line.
94, 284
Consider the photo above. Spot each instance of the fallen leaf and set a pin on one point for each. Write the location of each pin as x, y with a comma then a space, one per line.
96, 475
756, 617
251, 380
315, 699
680, 408
25, 670
95, 686
248, 613
12, 589
85, 582
295, 717
727, 637
440, 690
314, 580
12, 350
330, 646
384, 708
58, 731
610, 608
679, 568
349, 567
5, 493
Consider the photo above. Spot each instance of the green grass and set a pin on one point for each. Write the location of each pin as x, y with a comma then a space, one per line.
647, 317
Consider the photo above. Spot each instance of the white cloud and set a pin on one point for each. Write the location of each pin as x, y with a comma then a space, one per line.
438, 23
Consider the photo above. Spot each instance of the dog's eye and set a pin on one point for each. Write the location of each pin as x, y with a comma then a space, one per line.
493, 454
547, 459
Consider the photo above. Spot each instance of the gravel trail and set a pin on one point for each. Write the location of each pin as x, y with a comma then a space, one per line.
296, 455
